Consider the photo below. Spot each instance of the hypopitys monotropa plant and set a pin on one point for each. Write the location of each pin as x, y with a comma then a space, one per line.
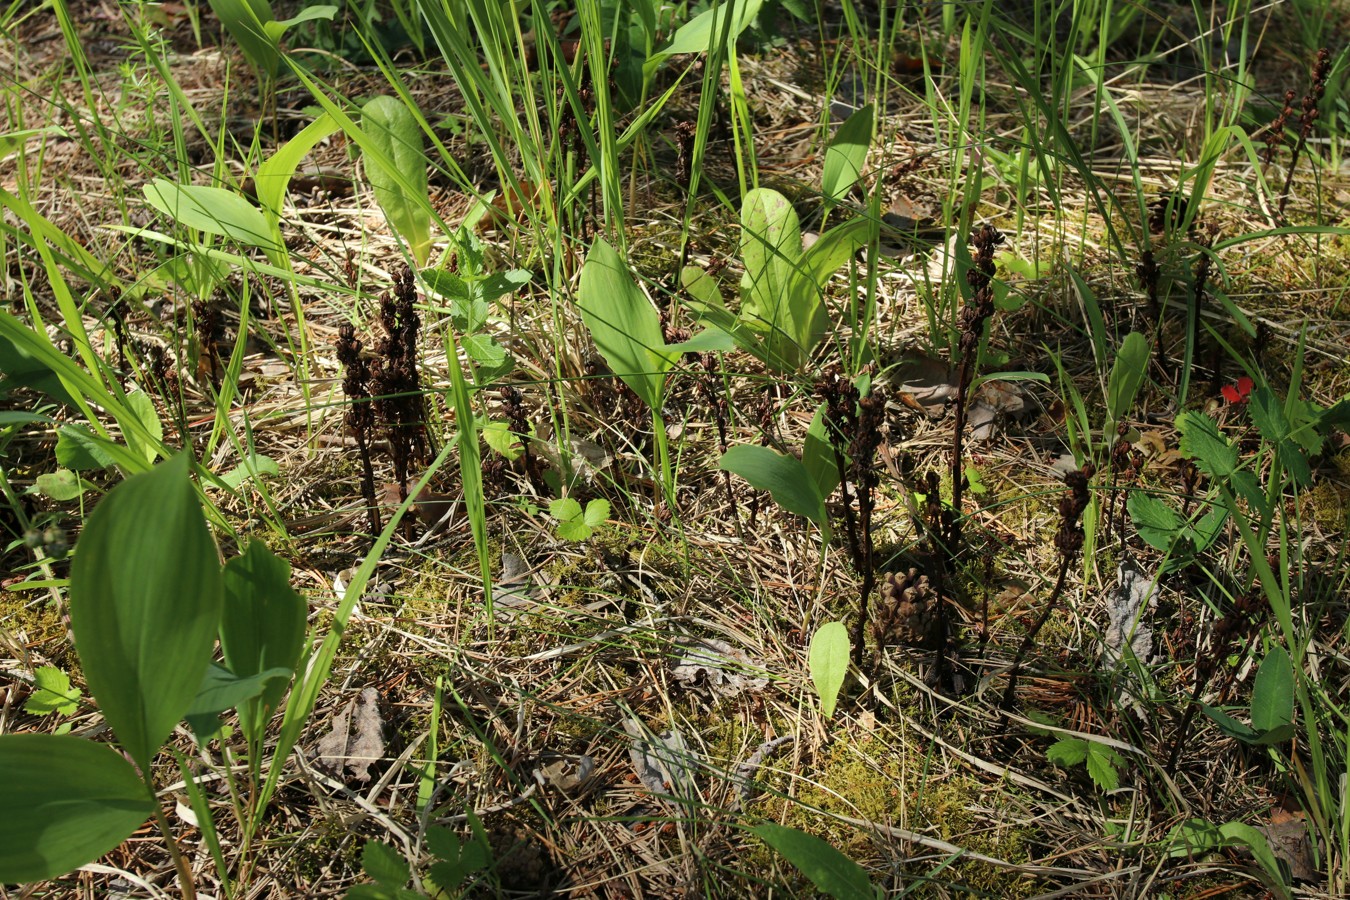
1068, 541
394, 380
360, 418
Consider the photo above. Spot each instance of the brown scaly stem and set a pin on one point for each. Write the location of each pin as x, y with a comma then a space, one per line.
360, 416
1246, 617
1069, 541
1321, 69
973, 317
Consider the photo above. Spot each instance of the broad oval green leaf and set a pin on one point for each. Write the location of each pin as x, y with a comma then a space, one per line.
771, 249
829, 870
245, 20
212, 210
221, 689
1273, 692
700, 32
397, 169
385, 864
818, 455
624, 325
145, 599
262, 628
784, 477
64, 802
828, 662
274, 176
846, 155
1127, 376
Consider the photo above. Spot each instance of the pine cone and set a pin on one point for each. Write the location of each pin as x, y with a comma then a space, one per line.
906, 611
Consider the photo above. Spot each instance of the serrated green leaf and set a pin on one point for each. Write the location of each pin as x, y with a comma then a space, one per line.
484, 350
597, 511
829, 870
1101, 766
442, 842
1268, 415
1157, 524
1202, 443
502, 440
1204, 532
499, 284
564, 509
1067, 751
828, 663
53, 693
385, 864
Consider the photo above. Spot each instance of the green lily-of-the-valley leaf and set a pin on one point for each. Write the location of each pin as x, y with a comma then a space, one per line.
786, 478
257, 31
212, 210
1127, 376
145, 603
783, 316
828, 662
262, 630
64, 801
846, 155
624, 324
397, 170
830, 871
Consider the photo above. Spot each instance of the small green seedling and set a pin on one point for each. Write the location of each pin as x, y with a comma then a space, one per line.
53, 693
1103, 763
455, 862
573, 523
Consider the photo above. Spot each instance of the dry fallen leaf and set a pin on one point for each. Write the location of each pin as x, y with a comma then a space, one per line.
1287, 835
356, 740
568, 774
664, 763
922, 382
718, 666
991, 401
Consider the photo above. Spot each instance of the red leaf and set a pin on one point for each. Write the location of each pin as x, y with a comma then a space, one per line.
1240, 392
